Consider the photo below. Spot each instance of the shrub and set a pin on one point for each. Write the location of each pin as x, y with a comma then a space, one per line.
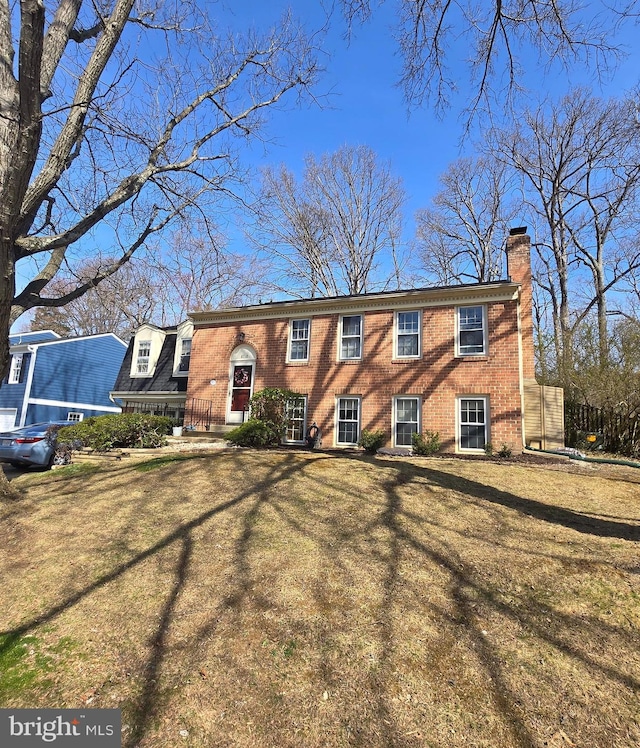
504, 451
256, 433
427, 443
488, 449
130, 430
270, 404
371, 441
268, 422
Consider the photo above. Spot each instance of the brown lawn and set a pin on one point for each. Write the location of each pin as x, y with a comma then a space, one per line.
287, 599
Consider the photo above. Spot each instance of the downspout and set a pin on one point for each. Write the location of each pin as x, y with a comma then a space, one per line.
523, 429
33, 350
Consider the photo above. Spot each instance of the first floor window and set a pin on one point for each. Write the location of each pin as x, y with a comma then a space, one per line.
299, 340
16, 368
351, 337
348, 420
407, 414
75, 416
473, 422
144, 353
297, 416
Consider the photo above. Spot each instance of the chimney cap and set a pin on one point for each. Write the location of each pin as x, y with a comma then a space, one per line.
518, 231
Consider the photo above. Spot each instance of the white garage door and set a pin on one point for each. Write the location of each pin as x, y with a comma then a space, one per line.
7, 418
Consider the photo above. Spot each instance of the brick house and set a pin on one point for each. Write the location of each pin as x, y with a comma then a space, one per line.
455, 359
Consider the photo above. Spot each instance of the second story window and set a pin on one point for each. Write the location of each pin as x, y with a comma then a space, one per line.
16, 368
351, 337
471, 331
299, 340
408, 334
142, 360
185, 355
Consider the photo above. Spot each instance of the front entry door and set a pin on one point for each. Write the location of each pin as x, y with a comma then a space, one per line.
242, 369
241, 386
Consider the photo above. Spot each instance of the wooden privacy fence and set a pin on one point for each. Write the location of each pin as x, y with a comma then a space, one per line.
543, 416
619, 427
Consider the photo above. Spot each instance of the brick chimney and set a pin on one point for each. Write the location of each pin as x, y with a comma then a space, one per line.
519, 271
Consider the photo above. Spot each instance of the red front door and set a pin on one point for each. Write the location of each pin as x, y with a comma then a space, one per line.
240, 391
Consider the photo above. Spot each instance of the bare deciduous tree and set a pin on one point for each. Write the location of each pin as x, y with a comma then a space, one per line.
160, 284
495, 37
337, 231
580, 165
194, 272
116, 118
119, 304
460, 239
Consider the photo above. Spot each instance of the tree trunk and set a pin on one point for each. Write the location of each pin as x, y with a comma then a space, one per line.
7, 292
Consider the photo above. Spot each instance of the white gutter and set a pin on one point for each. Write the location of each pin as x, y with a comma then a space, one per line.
33, 350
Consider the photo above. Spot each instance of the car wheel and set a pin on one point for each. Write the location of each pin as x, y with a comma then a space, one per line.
60, 458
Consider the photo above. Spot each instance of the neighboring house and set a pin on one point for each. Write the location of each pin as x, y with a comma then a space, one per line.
52, 378
458, 360
153, 375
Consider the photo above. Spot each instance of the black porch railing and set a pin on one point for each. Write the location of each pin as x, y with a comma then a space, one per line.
194, 414
170, 410
197, 414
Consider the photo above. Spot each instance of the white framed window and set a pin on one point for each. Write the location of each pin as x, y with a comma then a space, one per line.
185, 356
408, 334
299, 333
471, 323
74, 415
143, 356
406, 420
16, 368
297, 414
473, 423
351, 337
348, 421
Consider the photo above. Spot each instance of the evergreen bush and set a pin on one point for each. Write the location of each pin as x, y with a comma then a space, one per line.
426, 444
268, 422
130, 430
371, 441
256, 433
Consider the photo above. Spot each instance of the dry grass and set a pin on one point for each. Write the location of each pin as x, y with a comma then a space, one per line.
287, 599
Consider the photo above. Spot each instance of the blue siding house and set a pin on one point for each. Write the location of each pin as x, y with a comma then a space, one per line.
55, 379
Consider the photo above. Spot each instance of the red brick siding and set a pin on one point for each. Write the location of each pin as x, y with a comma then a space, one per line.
519, 268
438, 377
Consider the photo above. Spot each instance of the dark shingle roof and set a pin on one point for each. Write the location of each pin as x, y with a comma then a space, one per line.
162, 379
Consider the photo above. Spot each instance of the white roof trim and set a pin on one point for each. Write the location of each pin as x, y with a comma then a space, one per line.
65, 404
141, 396
26, 346
454, 296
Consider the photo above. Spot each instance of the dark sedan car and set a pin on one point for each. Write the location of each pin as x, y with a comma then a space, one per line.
32, 445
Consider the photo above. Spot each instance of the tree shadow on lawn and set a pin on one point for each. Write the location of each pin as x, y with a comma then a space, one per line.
465, 587
555, 514
145, 709
548, 624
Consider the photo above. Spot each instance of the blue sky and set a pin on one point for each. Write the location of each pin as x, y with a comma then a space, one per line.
362, 104
365, 105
